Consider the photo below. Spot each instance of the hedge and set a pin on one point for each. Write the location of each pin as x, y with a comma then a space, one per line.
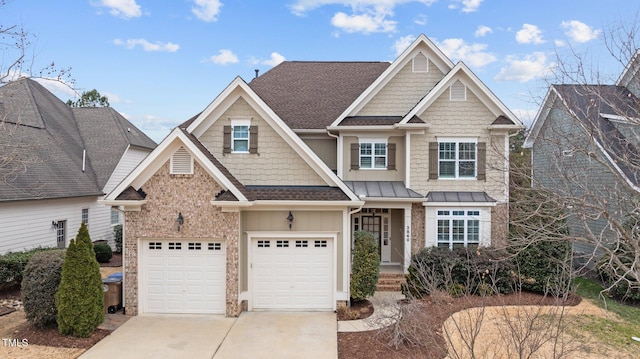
12, 266
39, 285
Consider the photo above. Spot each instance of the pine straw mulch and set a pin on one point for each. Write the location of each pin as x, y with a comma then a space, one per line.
433, 313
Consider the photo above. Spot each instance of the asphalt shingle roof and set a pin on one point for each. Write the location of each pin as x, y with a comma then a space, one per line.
45, 141
311, 95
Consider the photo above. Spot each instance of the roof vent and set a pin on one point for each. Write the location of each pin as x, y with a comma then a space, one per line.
257, 72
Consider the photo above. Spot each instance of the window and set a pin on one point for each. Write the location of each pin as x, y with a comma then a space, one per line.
458, 228
115, 217
240, 136
373, 155
457, 159
61, 234
85, 216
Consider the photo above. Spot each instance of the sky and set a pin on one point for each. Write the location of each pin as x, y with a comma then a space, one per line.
162, 62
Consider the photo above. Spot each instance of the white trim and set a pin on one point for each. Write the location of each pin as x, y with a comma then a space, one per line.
459, 72
252, 235
441, 61
239, 88
407, 159
158, 157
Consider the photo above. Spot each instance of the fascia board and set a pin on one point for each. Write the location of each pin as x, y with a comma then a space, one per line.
215, 104
388, 74
495, 104
459, 204
541, 116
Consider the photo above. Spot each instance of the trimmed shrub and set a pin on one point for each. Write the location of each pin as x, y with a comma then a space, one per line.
541, 265
80, 299
12, 266
365, 269
103, 252
117, 237
39, 285
472, 270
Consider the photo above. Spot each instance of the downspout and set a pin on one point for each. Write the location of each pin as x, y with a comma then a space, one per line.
338, 153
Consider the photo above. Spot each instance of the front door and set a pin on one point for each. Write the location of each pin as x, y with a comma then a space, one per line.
379, 226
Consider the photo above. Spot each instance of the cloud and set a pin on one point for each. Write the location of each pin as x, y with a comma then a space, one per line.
206, 10
421, 20
60, 88
482, 31
275, 59
375, 21
579, 32
224, 57
121, 8
467, 5
147, 46
529, 34
473, 55
528, 68
402, 43
366, 16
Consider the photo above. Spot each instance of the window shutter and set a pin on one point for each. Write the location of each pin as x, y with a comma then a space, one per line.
226, 141
391, 156
482, 161
253, 139
433, 160
355, 156
181, 162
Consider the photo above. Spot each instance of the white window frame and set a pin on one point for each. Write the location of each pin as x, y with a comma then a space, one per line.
457, 160
85, 216
240, 123
470, 218
373, 156
117, 217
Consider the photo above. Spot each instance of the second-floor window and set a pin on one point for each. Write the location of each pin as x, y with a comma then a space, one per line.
457, 159
373, 155
240, 137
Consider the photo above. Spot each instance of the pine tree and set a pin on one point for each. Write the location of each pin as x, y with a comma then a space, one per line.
80, 299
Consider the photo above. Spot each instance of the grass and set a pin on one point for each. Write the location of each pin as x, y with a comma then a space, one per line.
612, 331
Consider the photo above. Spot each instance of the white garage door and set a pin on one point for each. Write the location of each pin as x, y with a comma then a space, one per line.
183, 276
292, 274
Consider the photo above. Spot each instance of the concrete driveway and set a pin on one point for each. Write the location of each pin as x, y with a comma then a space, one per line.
252, 335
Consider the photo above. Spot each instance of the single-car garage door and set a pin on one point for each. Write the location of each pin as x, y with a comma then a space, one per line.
292, 274
183, 276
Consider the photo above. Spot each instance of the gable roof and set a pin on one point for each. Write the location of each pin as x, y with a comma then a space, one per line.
603, 111
439, 59
106, 136
504, 116
239, 88
311, 95
63, 152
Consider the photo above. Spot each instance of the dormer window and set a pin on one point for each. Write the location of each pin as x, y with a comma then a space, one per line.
373, 155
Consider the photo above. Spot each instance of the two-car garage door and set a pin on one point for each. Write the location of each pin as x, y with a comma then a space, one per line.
183, 276
292, 274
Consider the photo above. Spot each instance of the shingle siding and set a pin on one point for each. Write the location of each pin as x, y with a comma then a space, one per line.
276, 162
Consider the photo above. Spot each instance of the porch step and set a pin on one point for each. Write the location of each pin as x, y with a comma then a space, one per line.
390, 282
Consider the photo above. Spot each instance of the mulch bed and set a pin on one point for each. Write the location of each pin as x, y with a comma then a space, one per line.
52, 338
116, 261
372, 344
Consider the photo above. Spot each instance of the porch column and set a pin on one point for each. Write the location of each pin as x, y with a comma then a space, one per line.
407, 239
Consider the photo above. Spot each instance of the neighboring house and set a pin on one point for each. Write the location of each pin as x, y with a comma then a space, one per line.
584, 148
56, 162
251, 204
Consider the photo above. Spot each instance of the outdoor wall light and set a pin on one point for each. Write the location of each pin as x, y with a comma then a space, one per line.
54, 224
290, 219
180, 220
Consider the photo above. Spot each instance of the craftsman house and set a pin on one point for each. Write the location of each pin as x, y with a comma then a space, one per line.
251, 204
56, 162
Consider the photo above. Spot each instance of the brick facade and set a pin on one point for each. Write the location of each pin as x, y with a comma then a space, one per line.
167, 195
